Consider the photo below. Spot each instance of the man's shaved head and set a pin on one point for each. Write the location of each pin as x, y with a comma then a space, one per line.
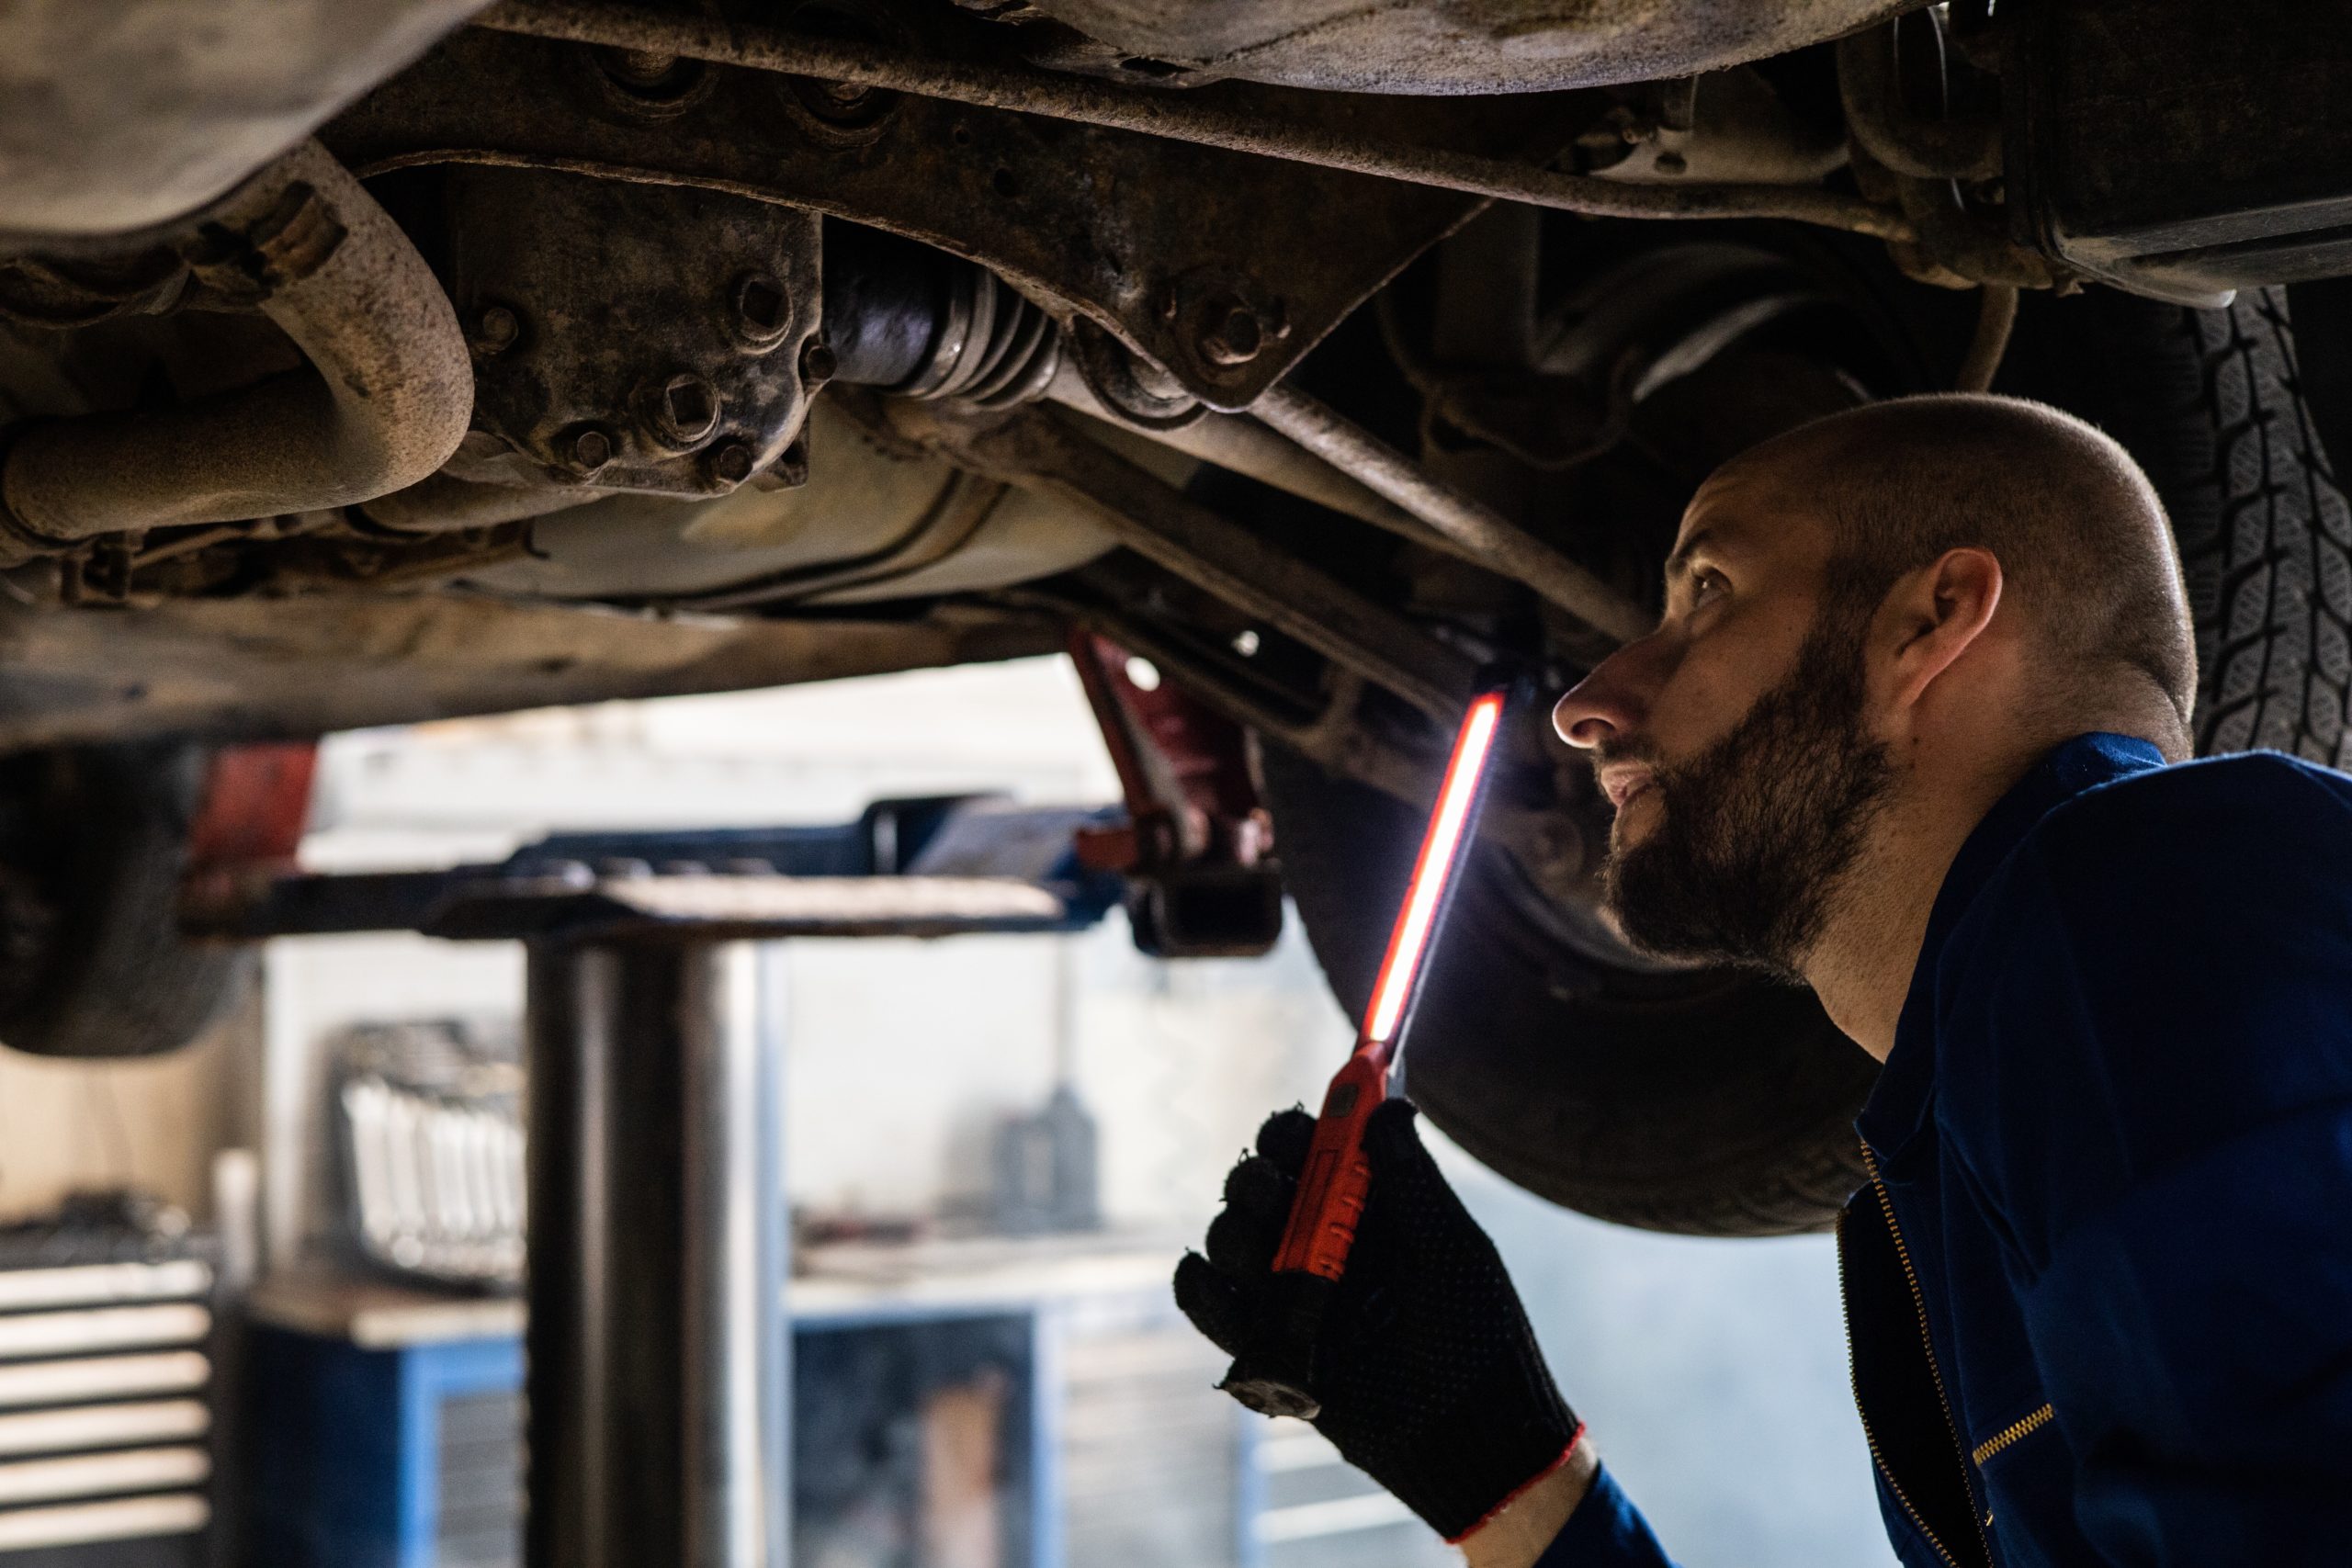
2078, 530
1744, 797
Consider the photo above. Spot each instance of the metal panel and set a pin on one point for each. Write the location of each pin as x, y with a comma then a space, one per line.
116, 114
2183, 149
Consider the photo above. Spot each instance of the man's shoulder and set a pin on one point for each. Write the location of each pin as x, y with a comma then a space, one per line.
2177, 906
2204, 895
2187, 828
2162, 966
2180, 791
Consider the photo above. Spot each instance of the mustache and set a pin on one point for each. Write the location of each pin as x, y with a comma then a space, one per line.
1631, 750
1641, 752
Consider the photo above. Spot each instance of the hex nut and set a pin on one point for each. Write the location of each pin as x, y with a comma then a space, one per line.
640, 67
650, 84
731, 462
817, 362
585, 448
496, 329
840, 114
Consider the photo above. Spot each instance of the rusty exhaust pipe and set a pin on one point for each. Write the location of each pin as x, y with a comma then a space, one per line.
384, 403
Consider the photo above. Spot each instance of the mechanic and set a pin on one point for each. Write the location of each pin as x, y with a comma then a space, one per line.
1912, 731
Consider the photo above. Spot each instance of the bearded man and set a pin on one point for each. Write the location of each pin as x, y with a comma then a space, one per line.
1912, 730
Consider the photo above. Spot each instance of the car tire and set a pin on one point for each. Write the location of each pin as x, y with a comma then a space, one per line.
1717, 1103
94, 841
2213, 404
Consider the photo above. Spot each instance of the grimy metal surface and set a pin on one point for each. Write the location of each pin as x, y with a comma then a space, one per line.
632, 337
1461, 46
1034, 449
1247, 446
385, 403
1884, 125
1158, 242
258, 668
1470, 528
1209, 117
117, 115
2181, 149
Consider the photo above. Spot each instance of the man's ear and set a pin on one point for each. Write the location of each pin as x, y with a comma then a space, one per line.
1933, 615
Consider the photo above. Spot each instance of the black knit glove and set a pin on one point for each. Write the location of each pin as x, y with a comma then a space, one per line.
1428, 1373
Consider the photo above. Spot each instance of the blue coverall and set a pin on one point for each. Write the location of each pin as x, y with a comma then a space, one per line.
2099, 1287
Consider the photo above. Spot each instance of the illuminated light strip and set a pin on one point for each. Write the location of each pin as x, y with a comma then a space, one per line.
100, 1426
1433, 870
100, 1328
101, 1377
85, 1475
22, 1290
127, 1520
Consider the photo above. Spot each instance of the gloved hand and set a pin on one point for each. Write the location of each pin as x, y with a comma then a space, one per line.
1429, 1375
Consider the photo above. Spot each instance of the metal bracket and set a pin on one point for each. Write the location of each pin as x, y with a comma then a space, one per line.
922, 867
1195, 846
1160, 243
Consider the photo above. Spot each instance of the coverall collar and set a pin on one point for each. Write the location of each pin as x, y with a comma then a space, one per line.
1898, 1103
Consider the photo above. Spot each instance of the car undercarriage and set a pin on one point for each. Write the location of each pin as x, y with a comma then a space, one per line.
365, 363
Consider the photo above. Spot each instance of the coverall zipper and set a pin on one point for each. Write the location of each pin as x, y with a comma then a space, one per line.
1928, 1345
2025, 1425
1886, 1472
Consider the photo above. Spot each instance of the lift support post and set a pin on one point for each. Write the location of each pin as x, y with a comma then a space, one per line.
658, 1384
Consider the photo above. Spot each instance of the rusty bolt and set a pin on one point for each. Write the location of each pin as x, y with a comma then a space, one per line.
640, 67
686, 409
650, 84
731, 462
817, 362
763, 309
1234, 335
585, 448
496, 328
643, 69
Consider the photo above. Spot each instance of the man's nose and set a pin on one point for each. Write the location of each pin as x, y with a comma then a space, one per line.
1607, 702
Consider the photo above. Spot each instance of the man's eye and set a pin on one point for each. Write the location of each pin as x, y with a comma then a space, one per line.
1705, 585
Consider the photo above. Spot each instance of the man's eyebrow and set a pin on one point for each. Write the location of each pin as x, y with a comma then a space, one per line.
1686, 549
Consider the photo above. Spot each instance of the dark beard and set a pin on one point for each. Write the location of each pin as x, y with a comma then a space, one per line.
1754, 833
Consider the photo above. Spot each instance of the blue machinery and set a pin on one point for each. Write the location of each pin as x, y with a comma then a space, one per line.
398, 1445
657, 1371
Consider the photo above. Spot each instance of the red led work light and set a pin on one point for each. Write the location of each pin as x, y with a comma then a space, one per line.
1336, 1177
1331, 1188
1433, 872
